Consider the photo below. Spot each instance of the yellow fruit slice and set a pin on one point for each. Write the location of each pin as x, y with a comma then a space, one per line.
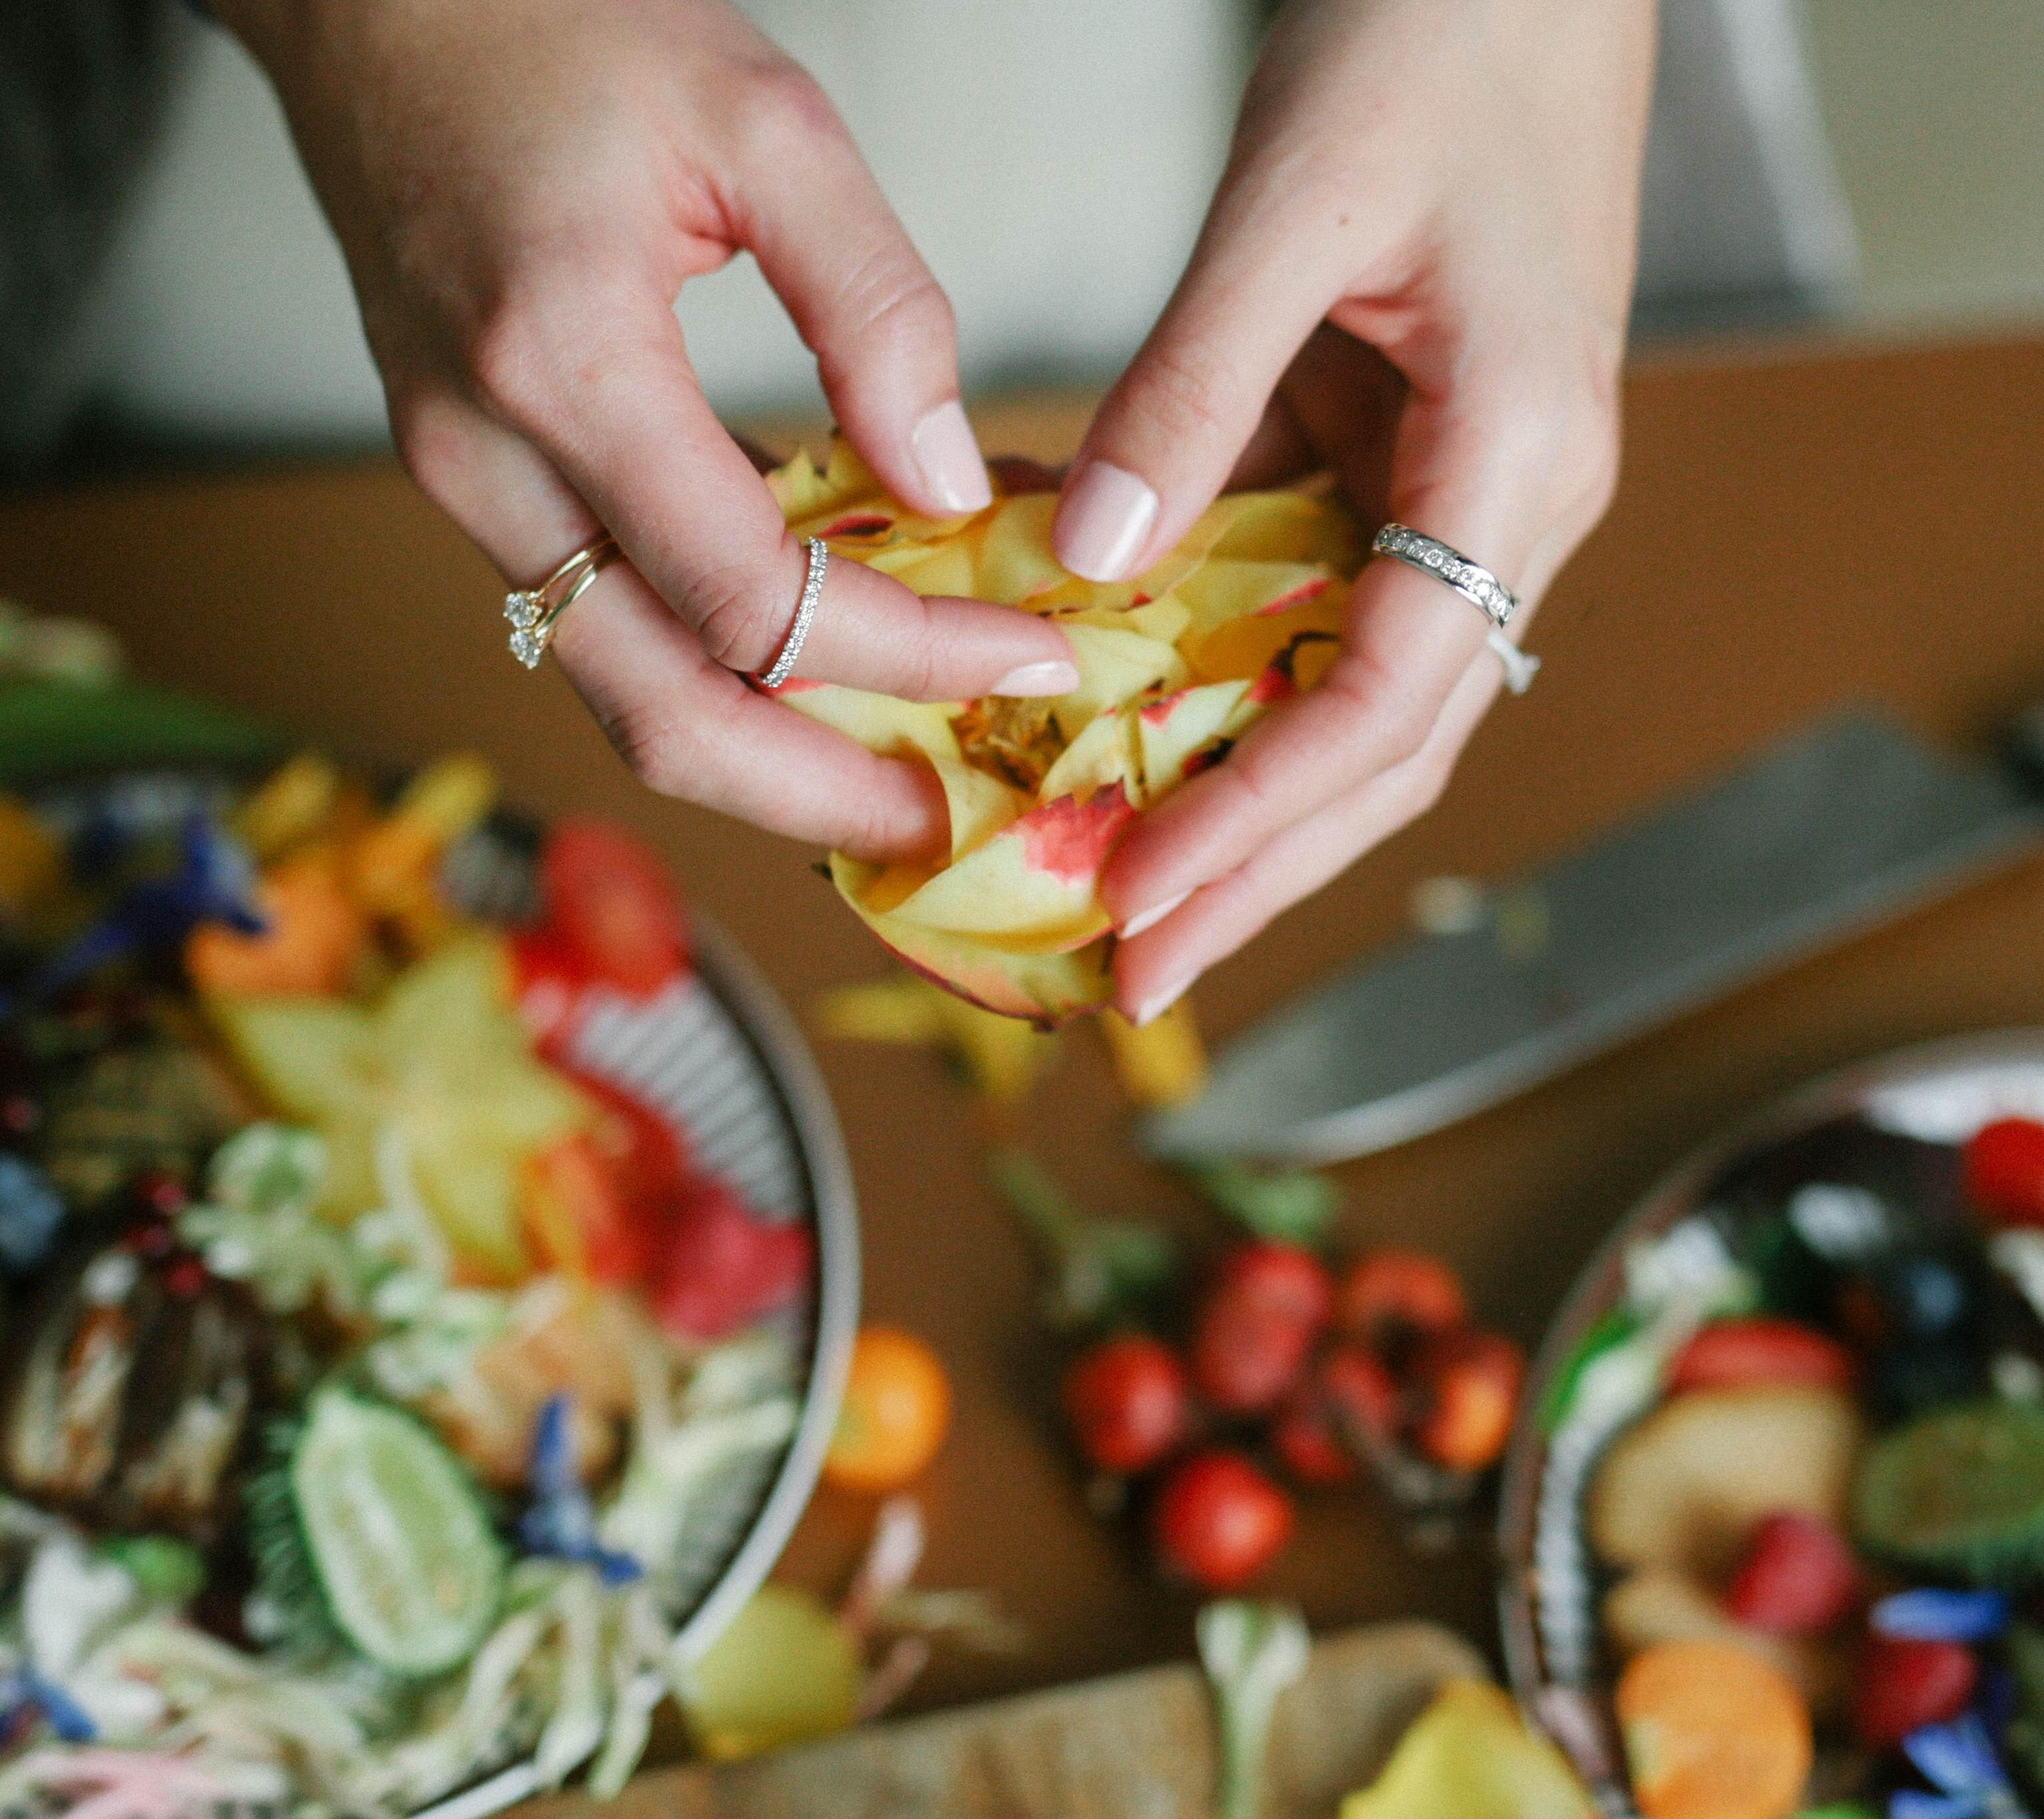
1471, 1755
786, 1671
1243, 612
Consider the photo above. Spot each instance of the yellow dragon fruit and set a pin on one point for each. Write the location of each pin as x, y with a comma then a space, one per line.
1174, 667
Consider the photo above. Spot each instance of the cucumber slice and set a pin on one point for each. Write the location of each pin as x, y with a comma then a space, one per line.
1958, 1494
405, 1557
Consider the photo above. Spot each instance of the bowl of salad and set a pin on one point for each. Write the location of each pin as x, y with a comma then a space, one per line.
1773, 1522
428, 1272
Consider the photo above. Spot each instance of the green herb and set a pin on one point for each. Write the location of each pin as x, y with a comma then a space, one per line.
1103, 1271
1288, 1205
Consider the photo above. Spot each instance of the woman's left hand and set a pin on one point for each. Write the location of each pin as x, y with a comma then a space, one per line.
1417, 272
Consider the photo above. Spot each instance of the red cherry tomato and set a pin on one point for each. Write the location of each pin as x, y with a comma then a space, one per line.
1331, 1422
1392, 1296
1219, 1522
1469, 1382
725, 1266
613, 907
1128, 1403
1258, 1325
2003, 1168
1737, 1354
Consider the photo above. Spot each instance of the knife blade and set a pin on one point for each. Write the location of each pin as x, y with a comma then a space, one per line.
1839, 828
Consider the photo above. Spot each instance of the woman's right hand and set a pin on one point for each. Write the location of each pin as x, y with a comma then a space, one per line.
521, 188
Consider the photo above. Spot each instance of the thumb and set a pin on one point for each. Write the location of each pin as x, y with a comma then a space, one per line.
1166, 438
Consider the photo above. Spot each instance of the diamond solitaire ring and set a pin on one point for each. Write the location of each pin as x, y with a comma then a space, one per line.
534, 612
1473, 581
783, 666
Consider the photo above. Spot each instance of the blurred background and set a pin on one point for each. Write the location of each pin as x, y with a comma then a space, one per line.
1875, 164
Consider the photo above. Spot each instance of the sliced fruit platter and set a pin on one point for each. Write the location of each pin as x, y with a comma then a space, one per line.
426, 1275
1774, 1521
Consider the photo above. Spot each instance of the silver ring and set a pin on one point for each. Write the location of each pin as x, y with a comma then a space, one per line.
534, 612
806, 610
1474, 582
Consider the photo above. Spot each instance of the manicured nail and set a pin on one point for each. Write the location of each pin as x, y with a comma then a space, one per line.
1154, 1006
1104, 522
949, 458
1055, 676
1152, 917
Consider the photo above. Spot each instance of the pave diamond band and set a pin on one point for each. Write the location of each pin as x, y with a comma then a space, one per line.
533, 613
1471, 580
783, 666
1474, 582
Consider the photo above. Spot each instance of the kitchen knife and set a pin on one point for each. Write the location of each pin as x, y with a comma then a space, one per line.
1840, 828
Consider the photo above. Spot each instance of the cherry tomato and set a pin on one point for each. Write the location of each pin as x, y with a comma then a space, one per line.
897, 1403
1734, 1354
613, 906
1128, 1402
1257, 1326
1901, 1684
725, 1266
1470, 1383
576, 1217
1391, 1297
1219, 1522
2003, 1167
1330, 1421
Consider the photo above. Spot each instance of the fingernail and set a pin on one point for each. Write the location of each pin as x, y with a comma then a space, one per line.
1154, 1006
1152, 917
949, 456
1104, 522
1055, 676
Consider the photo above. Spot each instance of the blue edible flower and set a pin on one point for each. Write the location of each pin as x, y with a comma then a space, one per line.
215, 882
1933, 1614
560, 1522
25, 1690
1958, 1761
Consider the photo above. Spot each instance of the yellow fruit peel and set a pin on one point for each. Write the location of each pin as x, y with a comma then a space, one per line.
1174, 667
1471, 1755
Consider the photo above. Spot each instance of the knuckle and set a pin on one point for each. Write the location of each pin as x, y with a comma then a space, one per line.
732, 619
661, 751
892, 305
782, 112
431, 446
1183, 392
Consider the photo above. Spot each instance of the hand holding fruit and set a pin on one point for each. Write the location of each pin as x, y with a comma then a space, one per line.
1416, 273
520, 191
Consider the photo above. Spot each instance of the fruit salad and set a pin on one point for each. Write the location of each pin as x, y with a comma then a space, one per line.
1808, 1442
370, 1368
1174, 667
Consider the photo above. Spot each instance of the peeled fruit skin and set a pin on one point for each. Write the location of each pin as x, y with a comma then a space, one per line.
1174, 667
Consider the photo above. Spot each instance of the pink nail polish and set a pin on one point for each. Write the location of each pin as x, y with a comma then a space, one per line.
1151, 917
945, 450
1155, 1005
1055, 676
1104, 522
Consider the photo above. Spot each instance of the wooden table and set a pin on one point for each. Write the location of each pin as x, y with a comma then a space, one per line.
1795, 528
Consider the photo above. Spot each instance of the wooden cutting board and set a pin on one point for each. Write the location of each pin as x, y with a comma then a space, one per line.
1136, 1746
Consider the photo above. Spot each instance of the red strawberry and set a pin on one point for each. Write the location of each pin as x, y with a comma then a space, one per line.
1733, 1354
2004, 1171
1903, 1686
725, 1266
1798, 1577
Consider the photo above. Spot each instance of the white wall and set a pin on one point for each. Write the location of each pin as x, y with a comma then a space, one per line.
1051, 160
